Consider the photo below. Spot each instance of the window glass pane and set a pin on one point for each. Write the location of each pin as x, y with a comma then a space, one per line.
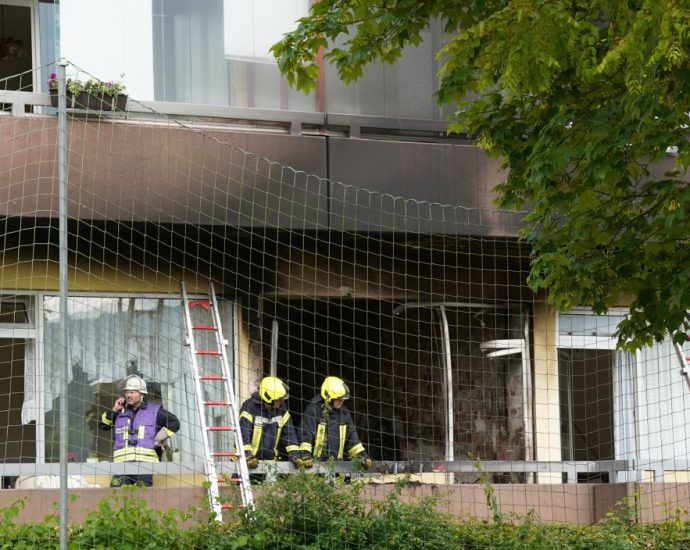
588, 325
251, 27
188, 59
14, 311
15, 48
586, 399
46, 25
18, 440
216, 52
110, 41
404, 89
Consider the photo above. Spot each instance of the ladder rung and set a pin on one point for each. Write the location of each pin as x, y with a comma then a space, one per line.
210, 377
224, 453
208, 352
217, 403
203, 304
228, 479
228, 506
204, 327
220, 428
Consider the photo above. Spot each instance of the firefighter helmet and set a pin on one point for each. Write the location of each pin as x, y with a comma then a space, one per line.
136, 383
272, 388
334, 388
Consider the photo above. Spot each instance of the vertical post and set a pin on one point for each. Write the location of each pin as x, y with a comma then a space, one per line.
527, 394
62, 225
448, 362
274, 348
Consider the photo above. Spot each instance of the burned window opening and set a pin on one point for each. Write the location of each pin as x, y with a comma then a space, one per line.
395, 369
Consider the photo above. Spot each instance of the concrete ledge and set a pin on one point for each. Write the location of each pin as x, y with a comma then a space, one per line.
40, 503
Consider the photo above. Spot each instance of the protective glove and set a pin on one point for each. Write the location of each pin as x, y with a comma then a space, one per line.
296, 460
307, 460
364, 460
161, 446
252, 461
162, 437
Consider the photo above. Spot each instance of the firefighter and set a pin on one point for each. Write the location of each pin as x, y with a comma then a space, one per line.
140, 430
265, 423
327, 429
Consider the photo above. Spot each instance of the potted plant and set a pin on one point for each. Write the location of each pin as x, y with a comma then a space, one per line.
92, 94
103, 96
73, 86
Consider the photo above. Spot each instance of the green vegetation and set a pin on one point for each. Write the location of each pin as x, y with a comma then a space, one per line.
307, 512
580, 99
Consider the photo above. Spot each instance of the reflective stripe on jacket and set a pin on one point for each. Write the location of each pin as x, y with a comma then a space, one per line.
328, 432
134, 434
263, 429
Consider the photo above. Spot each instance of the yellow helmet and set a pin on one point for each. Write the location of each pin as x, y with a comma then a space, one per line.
272, 388
334, 388
134, 382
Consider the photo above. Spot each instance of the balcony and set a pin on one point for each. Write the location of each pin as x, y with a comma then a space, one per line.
379, 159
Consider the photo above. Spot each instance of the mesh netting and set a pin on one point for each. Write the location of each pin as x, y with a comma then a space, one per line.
458, 375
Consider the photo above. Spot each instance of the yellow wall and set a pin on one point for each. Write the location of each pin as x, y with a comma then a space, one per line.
21, 272
546, 398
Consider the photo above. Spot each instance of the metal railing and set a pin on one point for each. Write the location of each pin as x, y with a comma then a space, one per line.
570, 469
294, 122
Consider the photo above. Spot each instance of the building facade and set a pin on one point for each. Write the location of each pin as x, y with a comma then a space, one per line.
346, 232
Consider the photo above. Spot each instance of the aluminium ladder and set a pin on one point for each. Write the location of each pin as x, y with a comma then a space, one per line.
215, 396
683, 358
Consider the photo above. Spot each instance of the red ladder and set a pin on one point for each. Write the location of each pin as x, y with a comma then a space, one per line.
215, 396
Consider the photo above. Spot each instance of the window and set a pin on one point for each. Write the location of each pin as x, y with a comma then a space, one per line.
595, 386
110, 338
17, 51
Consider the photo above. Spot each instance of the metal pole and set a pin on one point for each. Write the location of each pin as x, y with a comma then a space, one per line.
448, 361
62, 225
274, 348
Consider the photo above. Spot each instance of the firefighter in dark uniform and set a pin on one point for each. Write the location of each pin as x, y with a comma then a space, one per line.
327, 429
265, 423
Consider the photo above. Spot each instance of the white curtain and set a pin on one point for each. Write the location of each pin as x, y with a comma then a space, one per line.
30, 405
624, 411
664, 407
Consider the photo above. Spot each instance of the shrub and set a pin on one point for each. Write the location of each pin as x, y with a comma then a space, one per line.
310, 512
27, 536
126, 521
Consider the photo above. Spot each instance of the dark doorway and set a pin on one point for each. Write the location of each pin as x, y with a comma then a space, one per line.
345, 338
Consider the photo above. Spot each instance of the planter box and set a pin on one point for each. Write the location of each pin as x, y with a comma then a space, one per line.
101, 102
85, 100
120, 102
69, 96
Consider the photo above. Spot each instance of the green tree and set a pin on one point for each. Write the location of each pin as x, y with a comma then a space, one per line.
580, 99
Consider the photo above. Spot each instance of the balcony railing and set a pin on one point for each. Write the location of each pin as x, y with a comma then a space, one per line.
293, 122
643, 470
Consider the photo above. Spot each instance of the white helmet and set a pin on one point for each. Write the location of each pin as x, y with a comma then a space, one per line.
136, 383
